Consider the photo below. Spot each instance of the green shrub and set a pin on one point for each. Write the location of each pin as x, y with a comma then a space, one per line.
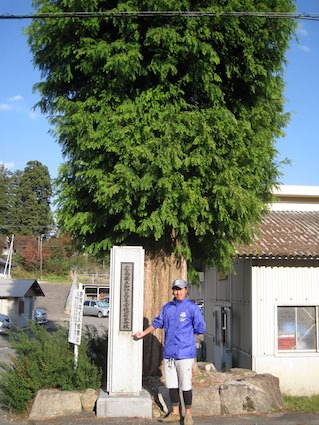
44, 360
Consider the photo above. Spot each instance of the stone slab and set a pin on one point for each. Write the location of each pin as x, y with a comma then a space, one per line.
52, 403
125, 405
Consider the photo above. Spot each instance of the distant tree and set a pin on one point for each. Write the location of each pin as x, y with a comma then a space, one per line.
13, 223
57, 252
31, 213
31, 257
168, 124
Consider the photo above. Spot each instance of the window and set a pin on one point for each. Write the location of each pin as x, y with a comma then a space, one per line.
21, 307
297, 328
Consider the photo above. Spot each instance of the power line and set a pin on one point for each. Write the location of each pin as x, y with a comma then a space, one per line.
148, 13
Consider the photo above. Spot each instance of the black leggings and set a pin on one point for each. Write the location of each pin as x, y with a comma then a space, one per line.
175, 400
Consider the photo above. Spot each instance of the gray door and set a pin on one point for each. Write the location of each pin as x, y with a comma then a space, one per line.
222, 353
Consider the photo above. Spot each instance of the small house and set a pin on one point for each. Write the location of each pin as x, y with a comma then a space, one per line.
264, 316
18, 299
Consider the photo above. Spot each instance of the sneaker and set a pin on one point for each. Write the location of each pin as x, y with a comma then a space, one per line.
188, 420
170, 418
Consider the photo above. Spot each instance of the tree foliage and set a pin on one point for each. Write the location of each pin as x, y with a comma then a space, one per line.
168, 124
25, 200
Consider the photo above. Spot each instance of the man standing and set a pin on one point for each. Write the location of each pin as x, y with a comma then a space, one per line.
181, 319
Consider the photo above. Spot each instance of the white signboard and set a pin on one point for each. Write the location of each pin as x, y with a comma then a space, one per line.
75, 325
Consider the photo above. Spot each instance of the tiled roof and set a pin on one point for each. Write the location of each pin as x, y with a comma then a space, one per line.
286, 234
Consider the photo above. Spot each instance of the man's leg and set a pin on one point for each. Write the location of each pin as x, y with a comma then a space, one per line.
171, 382
175, 400
184, 370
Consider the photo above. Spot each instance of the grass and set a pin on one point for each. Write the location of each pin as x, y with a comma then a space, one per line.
56, 279
22, 274
302, 404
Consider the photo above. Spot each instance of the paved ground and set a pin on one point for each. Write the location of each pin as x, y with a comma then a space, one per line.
91, 419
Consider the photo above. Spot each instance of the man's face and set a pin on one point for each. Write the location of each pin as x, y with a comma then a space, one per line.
179, 293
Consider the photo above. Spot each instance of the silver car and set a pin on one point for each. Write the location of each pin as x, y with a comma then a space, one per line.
40, 315
96, 308
5, 323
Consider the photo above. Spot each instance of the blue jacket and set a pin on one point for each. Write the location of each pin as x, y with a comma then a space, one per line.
181, 320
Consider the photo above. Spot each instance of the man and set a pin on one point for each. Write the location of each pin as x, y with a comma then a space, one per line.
181, 320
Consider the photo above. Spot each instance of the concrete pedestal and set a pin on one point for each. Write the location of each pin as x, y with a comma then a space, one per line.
124, 405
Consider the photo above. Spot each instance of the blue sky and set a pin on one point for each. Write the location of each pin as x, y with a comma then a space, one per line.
24, 132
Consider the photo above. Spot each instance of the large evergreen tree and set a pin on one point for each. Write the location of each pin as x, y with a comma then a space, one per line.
168, 123
30, 212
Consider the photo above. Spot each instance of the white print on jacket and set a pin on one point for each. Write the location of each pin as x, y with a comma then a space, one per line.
182, 316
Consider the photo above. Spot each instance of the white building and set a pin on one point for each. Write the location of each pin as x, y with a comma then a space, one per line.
18, 299
265, 315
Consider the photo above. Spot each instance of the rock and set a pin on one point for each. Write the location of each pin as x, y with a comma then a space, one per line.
270, 385
52, 403
240, 392
256, 394
241, 397
242, 372
206, 401
88, 399
209, 367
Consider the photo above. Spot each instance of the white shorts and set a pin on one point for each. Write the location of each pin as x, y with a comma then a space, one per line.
178, 373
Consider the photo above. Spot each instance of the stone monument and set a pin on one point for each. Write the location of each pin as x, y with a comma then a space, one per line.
125, 396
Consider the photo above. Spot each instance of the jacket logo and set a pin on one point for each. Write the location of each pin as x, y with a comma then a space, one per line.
182, 316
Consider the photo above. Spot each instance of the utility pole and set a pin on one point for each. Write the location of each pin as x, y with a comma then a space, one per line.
7, 269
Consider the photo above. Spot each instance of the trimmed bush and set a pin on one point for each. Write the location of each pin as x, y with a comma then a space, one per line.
44, 360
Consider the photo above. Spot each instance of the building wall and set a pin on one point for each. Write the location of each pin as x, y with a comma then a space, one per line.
5, 306
10, 307
283, 286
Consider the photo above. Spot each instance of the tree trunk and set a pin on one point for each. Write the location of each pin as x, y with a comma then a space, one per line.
160, 270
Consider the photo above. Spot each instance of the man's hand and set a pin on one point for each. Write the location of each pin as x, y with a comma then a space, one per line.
137, 335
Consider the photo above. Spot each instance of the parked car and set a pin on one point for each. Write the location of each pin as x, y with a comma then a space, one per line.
96, 308
40, 315
5, 323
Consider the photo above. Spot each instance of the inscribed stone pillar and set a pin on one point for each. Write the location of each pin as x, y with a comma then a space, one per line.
125, 396
126, 315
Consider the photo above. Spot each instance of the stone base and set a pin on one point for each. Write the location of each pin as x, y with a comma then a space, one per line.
125, 405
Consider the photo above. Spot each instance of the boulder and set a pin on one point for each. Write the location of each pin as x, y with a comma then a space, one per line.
51, 403
206, 400
88, 399
239, 391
